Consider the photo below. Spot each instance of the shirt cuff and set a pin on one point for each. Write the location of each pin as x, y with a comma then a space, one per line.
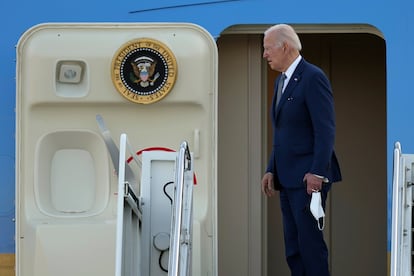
324, 179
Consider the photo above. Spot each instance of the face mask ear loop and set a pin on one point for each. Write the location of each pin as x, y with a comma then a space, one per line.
323, 223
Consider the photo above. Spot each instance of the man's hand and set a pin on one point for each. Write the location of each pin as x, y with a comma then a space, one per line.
268, 186
313, 183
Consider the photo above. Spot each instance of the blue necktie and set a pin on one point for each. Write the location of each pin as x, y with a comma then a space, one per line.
280, 87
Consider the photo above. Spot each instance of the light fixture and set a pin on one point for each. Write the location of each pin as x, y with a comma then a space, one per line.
70, 73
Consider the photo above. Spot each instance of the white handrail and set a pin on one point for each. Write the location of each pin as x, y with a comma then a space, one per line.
179, 235
396, 214
126, 264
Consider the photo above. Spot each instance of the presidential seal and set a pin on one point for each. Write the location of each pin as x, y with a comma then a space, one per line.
144, 70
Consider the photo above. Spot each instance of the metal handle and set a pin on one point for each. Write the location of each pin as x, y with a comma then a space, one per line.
396, 213
183, 164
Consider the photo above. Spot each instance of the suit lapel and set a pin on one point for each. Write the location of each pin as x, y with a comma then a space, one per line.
293, 81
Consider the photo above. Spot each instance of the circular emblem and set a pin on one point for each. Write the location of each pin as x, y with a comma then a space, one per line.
144, 70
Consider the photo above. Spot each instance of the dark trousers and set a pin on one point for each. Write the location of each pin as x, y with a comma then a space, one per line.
305, 248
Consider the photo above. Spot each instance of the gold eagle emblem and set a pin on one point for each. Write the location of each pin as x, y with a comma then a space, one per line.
144, 68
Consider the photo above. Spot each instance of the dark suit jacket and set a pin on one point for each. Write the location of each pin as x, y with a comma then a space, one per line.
304, 129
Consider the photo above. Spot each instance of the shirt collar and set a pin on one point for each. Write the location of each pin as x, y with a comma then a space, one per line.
292, 67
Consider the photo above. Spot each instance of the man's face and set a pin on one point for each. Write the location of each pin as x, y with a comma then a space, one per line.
273, 53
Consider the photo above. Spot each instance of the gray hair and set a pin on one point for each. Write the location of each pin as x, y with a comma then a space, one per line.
285, 33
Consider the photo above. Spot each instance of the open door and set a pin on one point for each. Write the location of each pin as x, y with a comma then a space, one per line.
156, 82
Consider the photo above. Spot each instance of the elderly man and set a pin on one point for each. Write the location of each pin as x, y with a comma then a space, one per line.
303, 160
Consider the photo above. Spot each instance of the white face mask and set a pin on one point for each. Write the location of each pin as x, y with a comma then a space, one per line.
317, 210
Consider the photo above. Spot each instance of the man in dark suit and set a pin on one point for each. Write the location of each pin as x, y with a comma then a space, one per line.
303, 160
